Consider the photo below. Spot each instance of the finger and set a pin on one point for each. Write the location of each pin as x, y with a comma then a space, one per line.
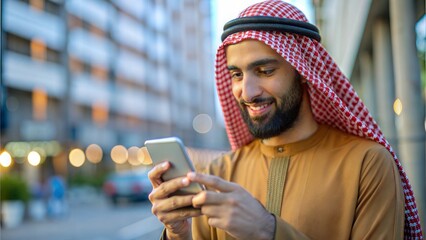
165, 189
156, 172
208, 198
212, 182
178, 215
212, 211
172, 203
218, 222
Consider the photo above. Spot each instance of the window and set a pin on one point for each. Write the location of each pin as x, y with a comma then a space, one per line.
17, 44
52, 7
44, 5
75, 65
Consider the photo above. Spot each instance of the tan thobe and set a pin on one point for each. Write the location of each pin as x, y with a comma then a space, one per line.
338, 186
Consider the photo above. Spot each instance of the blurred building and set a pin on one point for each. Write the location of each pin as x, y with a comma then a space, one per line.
374, 43
108, 72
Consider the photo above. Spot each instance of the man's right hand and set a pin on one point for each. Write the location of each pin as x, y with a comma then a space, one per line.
173, 211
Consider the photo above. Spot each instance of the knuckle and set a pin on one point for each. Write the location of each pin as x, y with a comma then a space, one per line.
203, 196
183, 213
162, 218
151, 173
163, 190
174, 203
151, 196
154, 209
233, 202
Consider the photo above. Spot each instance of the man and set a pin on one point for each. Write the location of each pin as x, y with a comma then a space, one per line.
308, 161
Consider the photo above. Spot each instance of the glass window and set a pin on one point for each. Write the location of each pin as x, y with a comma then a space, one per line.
17, 44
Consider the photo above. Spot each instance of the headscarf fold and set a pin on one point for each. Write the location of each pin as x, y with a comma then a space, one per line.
333, 100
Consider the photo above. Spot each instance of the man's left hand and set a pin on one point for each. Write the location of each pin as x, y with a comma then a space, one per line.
230, 207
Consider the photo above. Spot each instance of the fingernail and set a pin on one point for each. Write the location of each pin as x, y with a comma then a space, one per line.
164, 165
185, 181
191, 175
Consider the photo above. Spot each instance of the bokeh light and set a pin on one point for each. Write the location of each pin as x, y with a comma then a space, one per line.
5, 159
202, 123
77, 157
133, 156
397, 106
94, 153
144, 157
119, 154
41, 151
34, 158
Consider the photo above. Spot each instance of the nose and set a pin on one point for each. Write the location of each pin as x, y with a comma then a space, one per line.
250, 88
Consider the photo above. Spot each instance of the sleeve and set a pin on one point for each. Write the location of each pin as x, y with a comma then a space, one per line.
283, 230
380, 209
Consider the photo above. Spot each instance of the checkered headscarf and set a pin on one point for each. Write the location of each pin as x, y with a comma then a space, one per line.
334, 101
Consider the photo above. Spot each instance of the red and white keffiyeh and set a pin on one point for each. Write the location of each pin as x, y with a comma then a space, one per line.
333, 99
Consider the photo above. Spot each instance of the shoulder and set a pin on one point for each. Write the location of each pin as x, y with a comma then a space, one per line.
338, 139
355, 151
372, 154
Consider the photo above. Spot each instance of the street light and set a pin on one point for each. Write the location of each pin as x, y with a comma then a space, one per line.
34, 158
5, 159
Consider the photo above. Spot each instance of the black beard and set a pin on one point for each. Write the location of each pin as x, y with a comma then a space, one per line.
286, 114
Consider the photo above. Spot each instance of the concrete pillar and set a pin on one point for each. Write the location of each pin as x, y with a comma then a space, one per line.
410, 124
385, 94
368, 88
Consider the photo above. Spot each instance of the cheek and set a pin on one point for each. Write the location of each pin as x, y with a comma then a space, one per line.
236, 90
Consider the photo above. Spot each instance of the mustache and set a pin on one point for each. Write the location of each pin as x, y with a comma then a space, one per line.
256, 101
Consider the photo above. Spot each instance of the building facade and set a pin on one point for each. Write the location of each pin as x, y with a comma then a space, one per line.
108, 72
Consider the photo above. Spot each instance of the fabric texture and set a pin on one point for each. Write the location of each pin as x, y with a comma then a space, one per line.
276, 183
374, 210
333, 99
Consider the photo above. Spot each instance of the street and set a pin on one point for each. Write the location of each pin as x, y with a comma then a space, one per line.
96, 219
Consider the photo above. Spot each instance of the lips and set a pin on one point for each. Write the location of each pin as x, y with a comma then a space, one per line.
256, 110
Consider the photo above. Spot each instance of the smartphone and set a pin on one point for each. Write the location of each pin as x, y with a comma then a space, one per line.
172, 149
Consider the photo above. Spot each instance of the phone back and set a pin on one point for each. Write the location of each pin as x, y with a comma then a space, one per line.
172, 149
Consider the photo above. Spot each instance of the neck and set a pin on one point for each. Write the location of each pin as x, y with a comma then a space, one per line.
304, 126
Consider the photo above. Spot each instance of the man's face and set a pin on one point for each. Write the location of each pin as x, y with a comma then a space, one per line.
267, 88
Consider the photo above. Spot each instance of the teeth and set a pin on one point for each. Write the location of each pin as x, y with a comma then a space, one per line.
256, 108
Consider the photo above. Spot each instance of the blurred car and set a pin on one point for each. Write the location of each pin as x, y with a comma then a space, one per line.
130, 185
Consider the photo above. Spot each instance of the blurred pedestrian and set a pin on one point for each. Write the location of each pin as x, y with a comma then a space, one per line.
308, 159
57, 204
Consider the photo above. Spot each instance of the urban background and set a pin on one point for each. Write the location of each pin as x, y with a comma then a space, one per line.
85, 83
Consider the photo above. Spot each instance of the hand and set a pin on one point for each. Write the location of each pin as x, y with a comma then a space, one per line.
231, 208
173, 211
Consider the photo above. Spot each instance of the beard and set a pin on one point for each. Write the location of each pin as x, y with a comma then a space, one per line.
275, 123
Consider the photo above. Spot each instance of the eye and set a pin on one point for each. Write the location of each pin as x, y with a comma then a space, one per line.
266, 71
235, 75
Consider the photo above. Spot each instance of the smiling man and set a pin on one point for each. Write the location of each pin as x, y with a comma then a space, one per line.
308, 160
268, 89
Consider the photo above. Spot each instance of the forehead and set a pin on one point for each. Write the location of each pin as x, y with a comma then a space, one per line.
248, 51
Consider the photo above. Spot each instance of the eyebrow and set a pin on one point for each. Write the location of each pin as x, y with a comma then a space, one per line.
257, 63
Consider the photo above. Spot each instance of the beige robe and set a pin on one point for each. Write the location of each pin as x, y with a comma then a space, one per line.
338, 186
